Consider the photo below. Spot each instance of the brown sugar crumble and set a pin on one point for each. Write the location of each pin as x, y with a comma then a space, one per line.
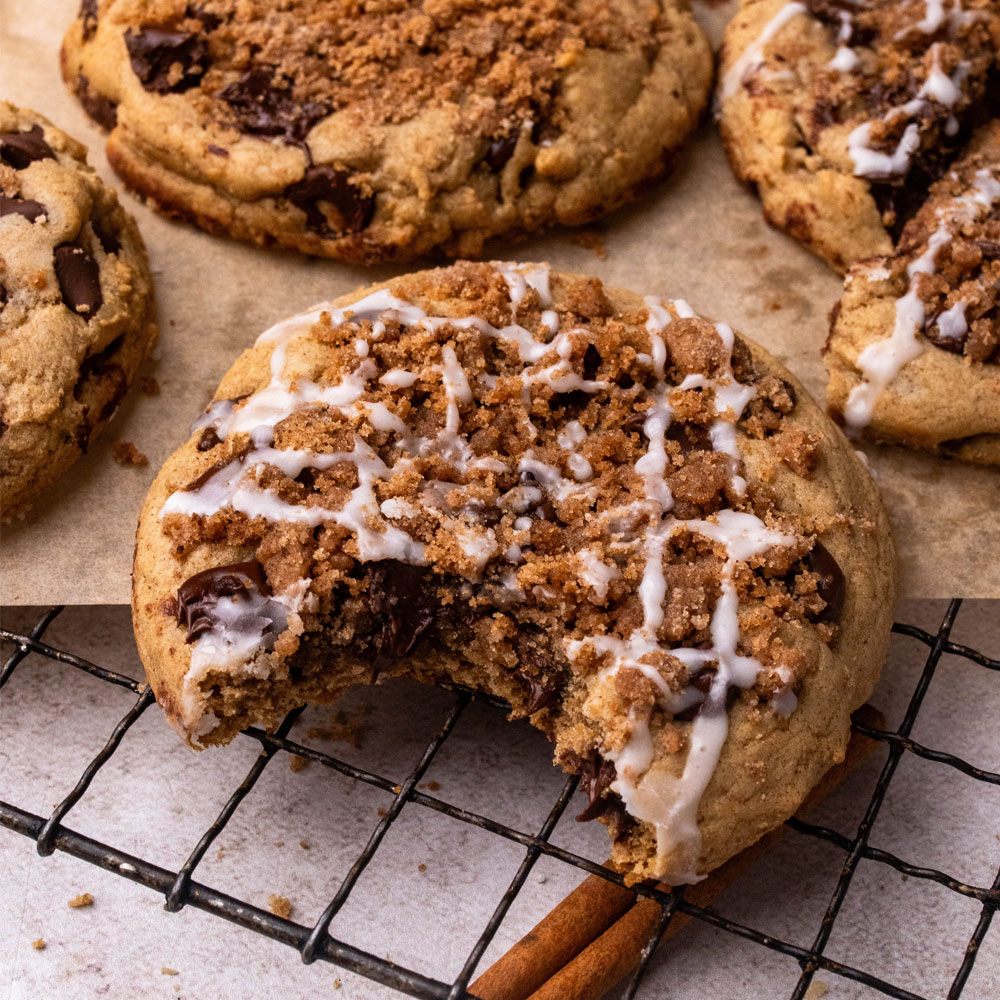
126, 453
592, 240
38, 944
84, 899
280, 906
166, 971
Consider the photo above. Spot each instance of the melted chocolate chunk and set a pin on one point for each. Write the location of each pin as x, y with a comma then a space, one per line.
109, 240
88, 18
199, 481
261, 108
596, 774
79, 279
347, 210
989, 249
209, 439
831, 586
400, 595
102, 110
209, 20
543, 691
154, 52
31, 210
18, 149
591, 362
3, 295
198, 595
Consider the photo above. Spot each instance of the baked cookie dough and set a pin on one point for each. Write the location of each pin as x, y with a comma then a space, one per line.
390, 129
76, 304
627, 521
840, 115
914, 346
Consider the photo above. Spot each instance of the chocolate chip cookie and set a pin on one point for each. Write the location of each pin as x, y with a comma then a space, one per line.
841, 115
76, 304
624, 519
390, 129
914, 347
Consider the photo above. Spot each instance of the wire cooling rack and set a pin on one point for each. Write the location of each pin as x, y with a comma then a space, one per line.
317, 943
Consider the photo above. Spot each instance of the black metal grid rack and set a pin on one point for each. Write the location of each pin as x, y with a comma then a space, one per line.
180, 888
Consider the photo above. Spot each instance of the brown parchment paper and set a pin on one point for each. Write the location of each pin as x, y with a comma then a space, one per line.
699, 236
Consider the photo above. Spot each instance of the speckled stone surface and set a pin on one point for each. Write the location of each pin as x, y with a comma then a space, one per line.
155, 798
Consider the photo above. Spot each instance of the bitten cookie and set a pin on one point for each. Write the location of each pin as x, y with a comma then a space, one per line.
387, 130
841, 115
625, 520
914, 346
76, 304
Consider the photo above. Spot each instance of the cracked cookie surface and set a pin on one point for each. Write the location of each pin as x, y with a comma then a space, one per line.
627, 521
76, 304
387, 130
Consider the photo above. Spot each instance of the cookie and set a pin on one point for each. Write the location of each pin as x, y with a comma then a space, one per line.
388, 130
914, 347
77, 315
841, 115
628, 522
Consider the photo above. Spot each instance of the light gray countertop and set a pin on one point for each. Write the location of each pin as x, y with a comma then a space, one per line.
155, 798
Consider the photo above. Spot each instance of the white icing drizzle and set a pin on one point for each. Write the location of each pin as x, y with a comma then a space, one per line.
646, 526
881, 362
668, 802
752, 57
938, 87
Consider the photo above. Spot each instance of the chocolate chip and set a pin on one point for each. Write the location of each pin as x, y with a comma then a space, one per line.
217, 150
347, 209
401, 598
102, 110
500, 151
31, 210
109, 240
989, 249
831, 586
261, 108
88, 17
79, 279
18, 149
199, 594
591, 362
3, 295
154, 52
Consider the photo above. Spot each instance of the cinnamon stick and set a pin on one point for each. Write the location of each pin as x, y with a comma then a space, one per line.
594, 937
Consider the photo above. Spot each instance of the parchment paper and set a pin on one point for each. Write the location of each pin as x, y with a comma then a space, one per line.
698, 236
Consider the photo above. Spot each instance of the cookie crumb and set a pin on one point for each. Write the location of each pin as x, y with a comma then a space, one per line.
396, 789
590, 239
421, 867
337, 984
280, 906
303, 845
382, 812
817, 989
126, 453
297, 763
165, 971
38, 944
84, 899
431, 786
279, 843
149, 385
